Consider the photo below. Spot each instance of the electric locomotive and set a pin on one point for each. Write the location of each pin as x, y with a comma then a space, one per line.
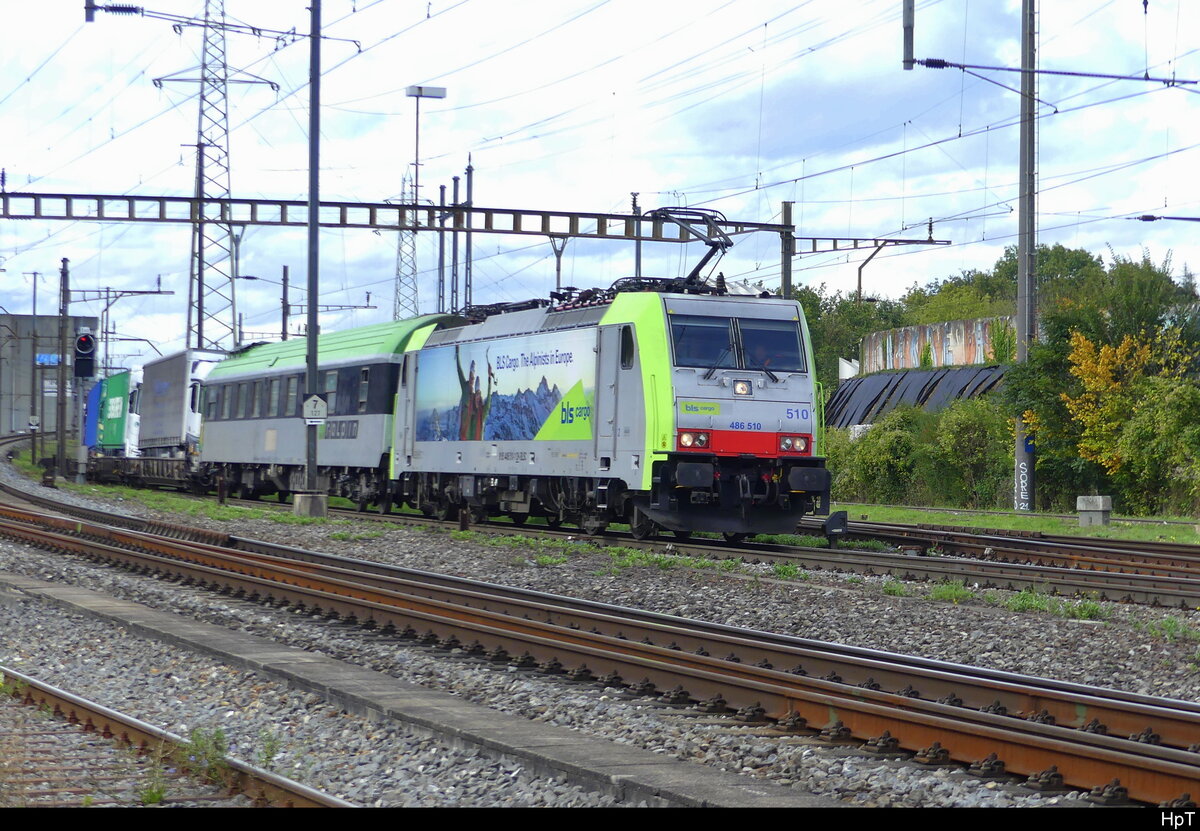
681, 407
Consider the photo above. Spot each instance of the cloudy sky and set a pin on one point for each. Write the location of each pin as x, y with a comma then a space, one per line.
574, 104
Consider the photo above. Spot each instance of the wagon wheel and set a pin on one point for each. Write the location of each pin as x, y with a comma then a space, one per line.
734, 537
554, 522
682, 535
445, 510
518, 519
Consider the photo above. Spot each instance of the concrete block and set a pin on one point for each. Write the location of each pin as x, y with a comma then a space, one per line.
1093, 510
310, 504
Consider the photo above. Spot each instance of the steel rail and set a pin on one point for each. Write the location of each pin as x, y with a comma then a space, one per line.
266, 789
1084, 759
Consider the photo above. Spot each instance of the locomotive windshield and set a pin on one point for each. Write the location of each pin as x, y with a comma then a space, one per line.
737, 343
773, 345
703, 342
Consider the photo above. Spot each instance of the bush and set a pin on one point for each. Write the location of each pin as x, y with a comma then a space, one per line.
975, 446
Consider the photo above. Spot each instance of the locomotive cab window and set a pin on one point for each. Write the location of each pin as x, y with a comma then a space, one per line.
702, 342
627, 347
772, 345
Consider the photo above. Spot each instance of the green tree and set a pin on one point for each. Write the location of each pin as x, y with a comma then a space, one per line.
1160, 446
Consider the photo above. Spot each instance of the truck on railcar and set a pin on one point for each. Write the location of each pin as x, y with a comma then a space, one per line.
111, 425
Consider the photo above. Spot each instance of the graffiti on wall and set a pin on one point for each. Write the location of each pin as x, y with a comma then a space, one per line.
954, 343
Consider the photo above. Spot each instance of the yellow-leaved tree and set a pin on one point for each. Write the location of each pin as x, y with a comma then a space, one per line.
1110, 377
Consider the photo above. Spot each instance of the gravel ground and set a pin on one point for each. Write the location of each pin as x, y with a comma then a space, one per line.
1120, 651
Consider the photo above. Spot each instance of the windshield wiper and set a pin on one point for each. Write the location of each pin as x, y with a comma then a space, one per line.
716, 365
774, 378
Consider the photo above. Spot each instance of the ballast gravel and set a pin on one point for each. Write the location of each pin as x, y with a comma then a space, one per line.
1132, 648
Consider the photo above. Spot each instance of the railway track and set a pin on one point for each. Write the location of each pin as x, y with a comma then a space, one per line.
1071, 566
61, 750
940, 712
1068, 566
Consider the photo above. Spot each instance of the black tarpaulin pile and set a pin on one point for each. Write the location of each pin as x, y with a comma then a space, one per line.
863, 400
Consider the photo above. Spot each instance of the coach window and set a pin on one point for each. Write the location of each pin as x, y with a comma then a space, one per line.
364, 383
244, 395
256, 393
272, 407
211, 400
627, 350
330, 387
229, 401
289, 404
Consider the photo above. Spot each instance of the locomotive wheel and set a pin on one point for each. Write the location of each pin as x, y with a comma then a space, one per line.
282, 496
554, 522
479, 514
518, 519
641, 526
682, 535
445, 511
735, 537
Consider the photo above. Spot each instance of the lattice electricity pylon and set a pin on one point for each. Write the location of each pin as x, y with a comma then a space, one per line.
212, 306
405, 304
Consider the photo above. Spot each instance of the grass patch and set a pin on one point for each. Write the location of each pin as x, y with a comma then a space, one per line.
1172, 629
894, 588
1022, 521
951, 591
788, 571
549, 560
354, 536
204, 754
1032, 600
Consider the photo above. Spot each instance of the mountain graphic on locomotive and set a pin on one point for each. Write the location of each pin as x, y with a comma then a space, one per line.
664, 404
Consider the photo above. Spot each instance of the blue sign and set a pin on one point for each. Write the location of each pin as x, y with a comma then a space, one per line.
47, 358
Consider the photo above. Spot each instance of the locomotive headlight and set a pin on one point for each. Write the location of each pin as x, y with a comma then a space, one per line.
802, 443
686, 439
742, 388
702, 439
785, 443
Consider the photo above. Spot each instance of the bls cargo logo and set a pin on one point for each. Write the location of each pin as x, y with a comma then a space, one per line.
567, 413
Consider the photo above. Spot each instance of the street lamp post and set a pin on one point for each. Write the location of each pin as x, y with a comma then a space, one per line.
419, 93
